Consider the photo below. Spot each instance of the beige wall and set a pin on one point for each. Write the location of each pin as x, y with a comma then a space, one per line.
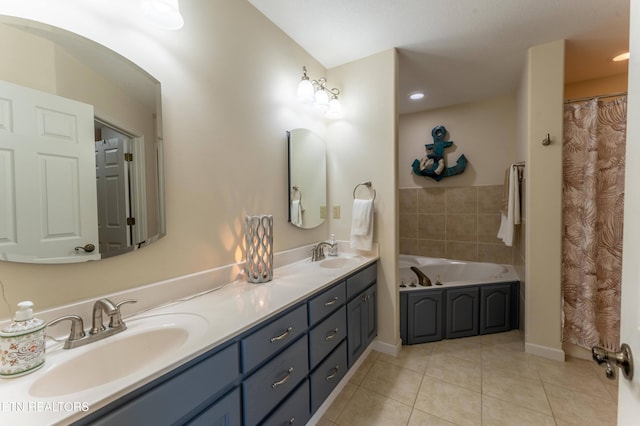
483, 131
543, 91
600, 86
228, 79
362, 147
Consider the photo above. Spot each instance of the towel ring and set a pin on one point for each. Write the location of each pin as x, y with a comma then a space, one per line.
294, 190
368, 185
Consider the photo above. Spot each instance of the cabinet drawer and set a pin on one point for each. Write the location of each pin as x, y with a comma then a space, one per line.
324, 337
224, 412
170, 401
328, 375
361, 280
294, 411
265, 388
326, 303
273, 337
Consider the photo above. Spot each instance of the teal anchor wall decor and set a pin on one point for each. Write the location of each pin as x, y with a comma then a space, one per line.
433, 165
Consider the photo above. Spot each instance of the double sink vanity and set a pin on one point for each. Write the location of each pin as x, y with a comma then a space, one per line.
240, 354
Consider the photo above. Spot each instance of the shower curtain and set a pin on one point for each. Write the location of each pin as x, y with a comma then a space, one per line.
593, 192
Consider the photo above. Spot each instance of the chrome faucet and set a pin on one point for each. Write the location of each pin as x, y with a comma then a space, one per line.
78, 337
423, 279
317, 251
102, 305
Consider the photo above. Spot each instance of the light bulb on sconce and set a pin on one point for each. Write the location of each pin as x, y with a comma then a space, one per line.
316, 92
163, 13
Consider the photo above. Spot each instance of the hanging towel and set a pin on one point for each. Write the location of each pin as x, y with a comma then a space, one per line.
362, 224
296, 213
511, 200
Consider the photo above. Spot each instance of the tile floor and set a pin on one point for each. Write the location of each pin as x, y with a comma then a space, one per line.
481, 380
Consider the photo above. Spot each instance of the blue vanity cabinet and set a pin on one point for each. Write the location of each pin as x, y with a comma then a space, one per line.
177, 397
361, 323
424, 316
495, 308
224, 412
294, 411
461, 312
328, 374
324, 337
271, 383
327, 302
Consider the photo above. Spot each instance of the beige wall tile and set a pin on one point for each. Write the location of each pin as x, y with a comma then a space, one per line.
408, 200
431, 226
432, 248
462, 251
490, 199
408, 227
463, 200
431, 200
488, 226
408, 246
462, 227
495, 253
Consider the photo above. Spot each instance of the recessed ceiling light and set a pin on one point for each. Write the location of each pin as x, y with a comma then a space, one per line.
622, 57
416, 96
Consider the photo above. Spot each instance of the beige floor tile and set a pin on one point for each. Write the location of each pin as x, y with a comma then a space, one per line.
572, 374
367, 408
340, 402
395, 382
468, 348
413, 357
500, 413
456, 371
518, 364
450, 402
324, 422
420, 418
359, 375
521, 391
574, 407
508, 337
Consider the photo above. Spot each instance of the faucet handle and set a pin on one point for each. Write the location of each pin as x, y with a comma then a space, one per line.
116, 320
77, 328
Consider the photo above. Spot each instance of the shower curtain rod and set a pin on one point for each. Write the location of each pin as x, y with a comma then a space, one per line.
588, 98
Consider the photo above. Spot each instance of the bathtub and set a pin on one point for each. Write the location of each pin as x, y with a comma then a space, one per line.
466, 299
452, 273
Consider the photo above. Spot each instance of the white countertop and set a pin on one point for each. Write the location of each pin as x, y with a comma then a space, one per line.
229, 310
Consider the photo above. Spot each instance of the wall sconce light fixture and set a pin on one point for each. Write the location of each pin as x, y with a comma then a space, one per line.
163, 13
316, 92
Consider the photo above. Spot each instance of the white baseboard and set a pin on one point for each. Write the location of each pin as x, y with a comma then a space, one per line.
544, 351
387, 348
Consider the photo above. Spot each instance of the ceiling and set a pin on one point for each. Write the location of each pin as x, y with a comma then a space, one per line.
457, 51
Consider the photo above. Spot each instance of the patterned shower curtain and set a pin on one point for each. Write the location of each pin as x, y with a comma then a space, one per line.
593, 193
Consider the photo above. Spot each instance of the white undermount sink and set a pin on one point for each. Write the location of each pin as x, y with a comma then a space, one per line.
146, 340
337, 262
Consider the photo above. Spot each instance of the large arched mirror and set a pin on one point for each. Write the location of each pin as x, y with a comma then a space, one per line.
307, 179
81, 148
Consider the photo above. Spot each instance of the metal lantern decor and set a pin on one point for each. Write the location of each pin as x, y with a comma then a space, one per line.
259, 245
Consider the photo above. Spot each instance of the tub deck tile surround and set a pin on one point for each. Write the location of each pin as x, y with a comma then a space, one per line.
454, 222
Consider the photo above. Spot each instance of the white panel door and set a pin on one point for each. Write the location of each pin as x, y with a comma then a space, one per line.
47, 180
113, 197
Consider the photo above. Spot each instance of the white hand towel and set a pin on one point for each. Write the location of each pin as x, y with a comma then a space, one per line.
512, 218
362, 225
296, 213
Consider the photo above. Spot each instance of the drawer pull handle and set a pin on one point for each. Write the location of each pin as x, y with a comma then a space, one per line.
333, 334
282, 336
334, 373
292, 420
331, 302
283, 380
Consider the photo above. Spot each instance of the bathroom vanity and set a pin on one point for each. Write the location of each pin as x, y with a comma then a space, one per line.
270, 354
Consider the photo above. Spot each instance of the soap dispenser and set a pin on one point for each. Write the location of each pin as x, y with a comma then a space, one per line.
333, 250
22, 343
